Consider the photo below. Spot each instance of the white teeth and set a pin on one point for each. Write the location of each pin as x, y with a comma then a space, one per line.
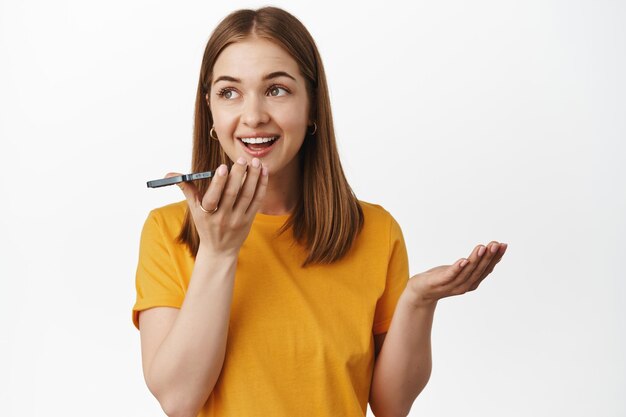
258, 140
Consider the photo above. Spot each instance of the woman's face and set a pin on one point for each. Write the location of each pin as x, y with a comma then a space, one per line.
260, 104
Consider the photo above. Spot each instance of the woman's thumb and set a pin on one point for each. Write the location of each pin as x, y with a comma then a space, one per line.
189, 190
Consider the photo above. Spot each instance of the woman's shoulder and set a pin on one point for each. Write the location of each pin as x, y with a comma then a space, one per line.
170, 216
379, 224
375, 214
376, 211
171, 209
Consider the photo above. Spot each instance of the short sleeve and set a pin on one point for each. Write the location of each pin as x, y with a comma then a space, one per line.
396, 280
156, 280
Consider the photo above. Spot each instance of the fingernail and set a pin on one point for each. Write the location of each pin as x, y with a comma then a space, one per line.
481, 251
494, 248
242, 161
222, 170
256, 163
463, 263
265, 171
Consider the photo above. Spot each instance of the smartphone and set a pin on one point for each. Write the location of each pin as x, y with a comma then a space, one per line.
180, 178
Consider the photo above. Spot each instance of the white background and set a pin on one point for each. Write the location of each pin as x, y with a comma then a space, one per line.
468, 121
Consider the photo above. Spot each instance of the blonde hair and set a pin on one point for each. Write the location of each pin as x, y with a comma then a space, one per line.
328, 216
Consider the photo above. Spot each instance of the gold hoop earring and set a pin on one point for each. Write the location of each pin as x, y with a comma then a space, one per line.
212, 133
314, 129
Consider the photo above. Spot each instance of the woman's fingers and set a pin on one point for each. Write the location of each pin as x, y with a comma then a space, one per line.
211, 198
480, 260
259, 194
246, 194
233, 184
491, 266
479, 272
239, 190
469, 267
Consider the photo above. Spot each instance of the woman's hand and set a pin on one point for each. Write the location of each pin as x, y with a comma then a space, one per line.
231, 202
464, 275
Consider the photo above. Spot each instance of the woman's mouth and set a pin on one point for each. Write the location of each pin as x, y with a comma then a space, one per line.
260, 145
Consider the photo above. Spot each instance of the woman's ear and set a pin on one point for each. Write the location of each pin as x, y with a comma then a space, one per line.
207, 100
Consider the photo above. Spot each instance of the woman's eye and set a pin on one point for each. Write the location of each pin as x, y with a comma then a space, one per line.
277, 91
228, 94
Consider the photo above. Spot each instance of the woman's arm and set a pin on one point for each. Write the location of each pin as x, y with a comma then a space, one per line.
404, 363
183, 357
182, 363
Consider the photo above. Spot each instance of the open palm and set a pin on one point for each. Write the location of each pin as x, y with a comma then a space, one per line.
456, 279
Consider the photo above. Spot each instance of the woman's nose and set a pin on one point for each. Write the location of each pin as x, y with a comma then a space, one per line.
254, 112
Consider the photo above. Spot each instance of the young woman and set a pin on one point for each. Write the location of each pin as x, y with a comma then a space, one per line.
272, 290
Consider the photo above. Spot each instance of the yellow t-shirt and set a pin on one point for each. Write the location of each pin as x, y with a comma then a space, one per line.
300, 340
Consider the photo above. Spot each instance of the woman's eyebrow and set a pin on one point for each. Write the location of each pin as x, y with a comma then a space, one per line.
227, 78
269, 76
277, 74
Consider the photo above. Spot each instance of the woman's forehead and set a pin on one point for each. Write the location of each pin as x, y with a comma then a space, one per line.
252, 59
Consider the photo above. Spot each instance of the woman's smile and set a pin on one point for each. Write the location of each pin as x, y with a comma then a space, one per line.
258, 145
